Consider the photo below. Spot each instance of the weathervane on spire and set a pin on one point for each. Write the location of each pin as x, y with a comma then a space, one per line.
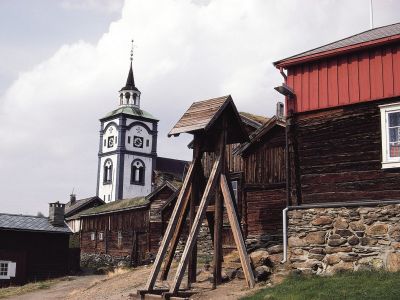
132, 51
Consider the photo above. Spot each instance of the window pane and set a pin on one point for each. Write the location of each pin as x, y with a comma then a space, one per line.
394, 119
394, 150
3, 269
393, 134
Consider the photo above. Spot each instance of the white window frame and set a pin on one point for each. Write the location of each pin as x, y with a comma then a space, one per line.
235, 188
11, 269
101, 236
92, 236
387, 161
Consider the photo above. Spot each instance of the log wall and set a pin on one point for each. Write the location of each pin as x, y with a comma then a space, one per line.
339, 152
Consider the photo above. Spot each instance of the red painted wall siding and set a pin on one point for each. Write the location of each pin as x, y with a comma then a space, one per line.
367, 75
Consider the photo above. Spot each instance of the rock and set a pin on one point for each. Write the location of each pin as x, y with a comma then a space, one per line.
316, 256
296, 214
365, 241
357, 226
317, 237
224, 276
341, 224
294, 241
331, 250
332, 259
396, 246
262, 273
323, 220
275, 249
353, 240
377, 229
348, 257
334, 236
340, 267
231, 273
377, 264
393, 262
240, 274
207, 266
384, 242
298, 251
394, 233
360, 233
344, 232
317, 250
260, 258
336, 242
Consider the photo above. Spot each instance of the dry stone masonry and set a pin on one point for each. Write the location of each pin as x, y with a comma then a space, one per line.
328, 240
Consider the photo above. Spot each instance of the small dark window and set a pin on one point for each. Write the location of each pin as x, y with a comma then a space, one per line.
137, 172
129, 139
105, 142
147, 143
107, 172
116, 140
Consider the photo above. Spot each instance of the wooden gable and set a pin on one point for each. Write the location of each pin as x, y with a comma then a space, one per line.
204, 116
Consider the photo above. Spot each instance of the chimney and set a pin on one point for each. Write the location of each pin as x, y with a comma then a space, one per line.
56, 213
72, 199
280, 110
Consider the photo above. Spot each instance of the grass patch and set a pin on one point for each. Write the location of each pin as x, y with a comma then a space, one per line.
354, 286
29, 287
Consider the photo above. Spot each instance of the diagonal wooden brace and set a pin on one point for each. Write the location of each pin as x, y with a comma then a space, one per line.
212, 181
237, 232
183, 198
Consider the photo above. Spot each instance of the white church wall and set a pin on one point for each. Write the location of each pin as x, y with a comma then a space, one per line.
107, 192
110, 138
138, 139
133, 190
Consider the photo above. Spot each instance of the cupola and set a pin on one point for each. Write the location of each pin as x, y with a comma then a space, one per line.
129, 95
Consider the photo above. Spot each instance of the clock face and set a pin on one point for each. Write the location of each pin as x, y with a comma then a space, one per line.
137, 141
110, 142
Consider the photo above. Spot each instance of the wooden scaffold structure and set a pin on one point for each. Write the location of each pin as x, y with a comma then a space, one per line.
214, 123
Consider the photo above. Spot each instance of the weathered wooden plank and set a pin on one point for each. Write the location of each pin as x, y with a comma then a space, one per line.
196, 226
237, 233
178, 210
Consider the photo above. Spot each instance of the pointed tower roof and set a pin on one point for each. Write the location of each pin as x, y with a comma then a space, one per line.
130, 81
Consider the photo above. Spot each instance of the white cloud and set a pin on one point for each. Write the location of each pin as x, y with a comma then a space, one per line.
186, 51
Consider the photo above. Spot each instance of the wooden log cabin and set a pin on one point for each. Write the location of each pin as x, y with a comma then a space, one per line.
127, 230
257, 172
34, 248
343, 107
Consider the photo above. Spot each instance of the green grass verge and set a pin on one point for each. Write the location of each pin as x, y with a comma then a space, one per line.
354, 286
29, 287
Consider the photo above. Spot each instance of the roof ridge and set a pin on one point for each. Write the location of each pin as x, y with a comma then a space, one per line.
22, 215
301, 54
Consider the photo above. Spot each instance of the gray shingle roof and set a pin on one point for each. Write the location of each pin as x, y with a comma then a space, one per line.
366, 36
70, 209
30, 223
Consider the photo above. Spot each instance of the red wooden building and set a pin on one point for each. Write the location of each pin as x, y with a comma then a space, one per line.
343, 108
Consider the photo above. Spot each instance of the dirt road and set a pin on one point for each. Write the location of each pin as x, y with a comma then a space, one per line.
123, 284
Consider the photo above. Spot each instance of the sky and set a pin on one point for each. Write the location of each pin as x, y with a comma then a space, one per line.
64, 61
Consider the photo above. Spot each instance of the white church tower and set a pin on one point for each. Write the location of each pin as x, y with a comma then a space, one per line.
128, 147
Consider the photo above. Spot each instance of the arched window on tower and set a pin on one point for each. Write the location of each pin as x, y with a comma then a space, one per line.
107, 172
134, 96
137, 172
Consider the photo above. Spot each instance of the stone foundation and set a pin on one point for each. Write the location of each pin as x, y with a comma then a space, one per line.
328, 240
96, 261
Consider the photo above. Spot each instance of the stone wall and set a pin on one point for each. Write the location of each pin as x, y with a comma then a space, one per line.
328, 240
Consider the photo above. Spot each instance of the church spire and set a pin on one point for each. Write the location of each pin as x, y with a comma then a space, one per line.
129, 94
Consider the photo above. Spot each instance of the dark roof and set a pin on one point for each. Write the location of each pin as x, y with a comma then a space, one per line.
363, 37
71, 209
130, 81
172, 185
171, 166
202, 115
30, 223
116, 206
258, 134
